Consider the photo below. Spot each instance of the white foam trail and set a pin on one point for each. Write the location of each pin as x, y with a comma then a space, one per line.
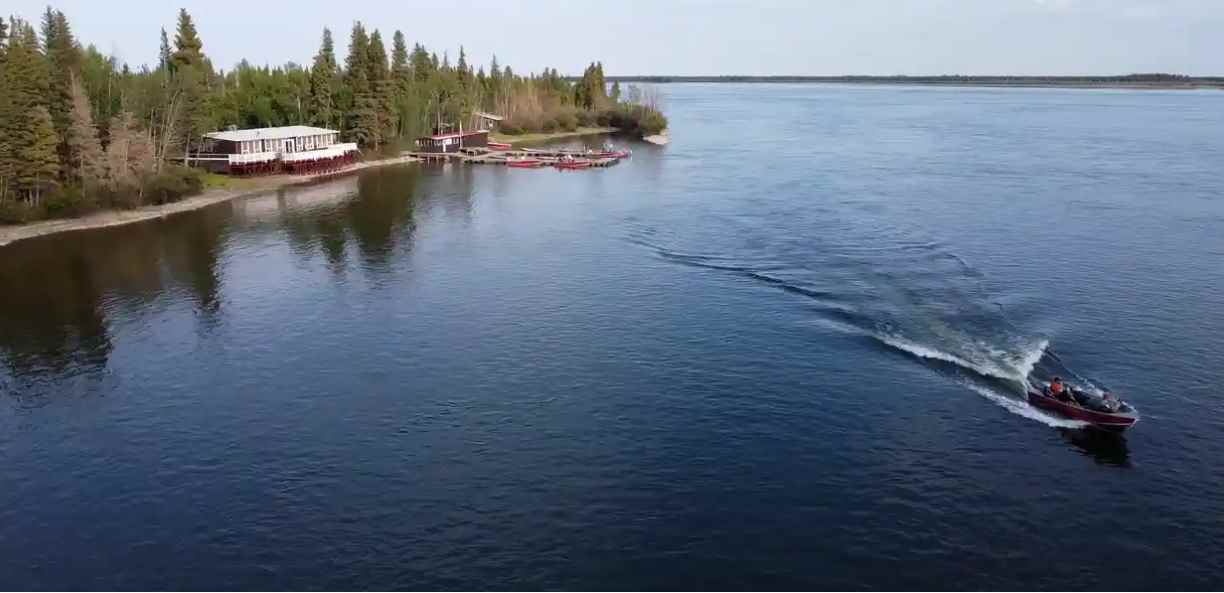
1021, 408
1028, 360
991, 362
987, 367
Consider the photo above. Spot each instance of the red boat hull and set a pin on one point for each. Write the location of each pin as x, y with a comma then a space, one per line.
1118, 422
574, 165
525, 164
498, 145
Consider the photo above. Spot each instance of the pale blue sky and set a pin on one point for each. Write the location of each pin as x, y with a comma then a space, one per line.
815, 37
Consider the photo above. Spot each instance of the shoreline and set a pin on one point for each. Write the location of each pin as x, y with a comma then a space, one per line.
1071, 82
250, 187
546, 136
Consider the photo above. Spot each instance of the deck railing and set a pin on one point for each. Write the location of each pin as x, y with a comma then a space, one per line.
253, 158
331, 152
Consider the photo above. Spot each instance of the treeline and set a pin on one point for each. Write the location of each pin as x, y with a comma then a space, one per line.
1140, 79
80, 131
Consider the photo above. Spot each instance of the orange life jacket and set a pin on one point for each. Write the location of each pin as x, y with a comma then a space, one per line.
1056, 388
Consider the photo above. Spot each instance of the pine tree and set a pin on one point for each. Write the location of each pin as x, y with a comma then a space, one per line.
191, 72
163, 55
422, 66
381, 86
462, 67
38, 163
321, 102
189, 50
85, 158
363, 117
616, 92
401, 86
22, 105
64, 62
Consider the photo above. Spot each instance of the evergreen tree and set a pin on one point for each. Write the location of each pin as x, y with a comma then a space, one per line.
24, 101
381, 87
163, 59
616, 92
64, 62
38, 163
320, 101
399, 54
461, 68
422, 65
362, 118
402, 91
186, 108
85, 159
189, 50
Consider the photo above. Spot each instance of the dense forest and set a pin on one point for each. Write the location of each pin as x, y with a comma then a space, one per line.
80, 131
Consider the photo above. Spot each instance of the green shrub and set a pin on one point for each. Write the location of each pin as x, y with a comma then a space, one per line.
172, 184
634, 119
68, 202
567, 121
18, 212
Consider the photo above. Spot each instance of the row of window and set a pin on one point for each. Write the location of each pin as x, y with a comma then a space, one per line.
287, 144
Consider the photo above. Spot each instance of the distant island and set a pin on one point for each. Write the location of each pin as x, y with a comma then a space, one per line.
1137, 81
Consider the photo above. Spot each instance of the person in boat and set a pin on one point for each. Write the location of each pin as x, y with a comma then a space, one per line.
1057, 390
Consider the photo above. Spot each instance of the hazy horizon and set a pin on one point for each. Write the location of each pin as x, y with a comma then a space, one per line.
702, 38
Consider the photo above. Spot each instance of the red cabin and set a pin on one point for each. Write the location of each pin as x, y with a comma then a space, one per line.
453, 141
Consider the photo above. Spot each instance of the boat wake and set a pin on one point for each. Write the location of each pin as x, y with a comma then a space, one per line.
928, 316
999, 364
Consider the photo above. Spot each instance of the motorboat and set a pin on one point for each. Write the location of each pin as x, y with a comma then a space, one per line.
1102, 410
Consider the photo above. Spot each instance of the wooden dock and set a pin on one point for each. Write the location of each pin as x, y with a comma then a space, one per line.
485, 156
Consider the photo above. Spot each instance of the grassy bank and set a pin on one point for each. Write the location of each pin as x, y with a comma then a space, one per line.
217, 189
545, 136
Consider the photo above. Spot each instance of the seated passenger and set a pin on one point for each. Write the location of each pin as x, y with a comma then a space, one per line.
1057, 389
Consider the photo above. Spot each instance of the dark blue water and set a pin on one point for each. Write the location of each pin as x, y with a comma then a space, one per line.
785, 351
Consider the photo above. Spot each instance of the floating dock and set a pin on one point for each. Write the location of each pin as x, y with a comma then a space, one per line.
485, 156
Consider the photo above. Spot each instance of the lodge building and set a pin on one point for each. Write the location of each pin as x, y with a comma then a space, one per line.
292, 149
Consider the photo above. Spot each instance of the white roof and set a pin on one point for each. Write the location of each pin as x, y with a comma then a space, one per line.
269, 133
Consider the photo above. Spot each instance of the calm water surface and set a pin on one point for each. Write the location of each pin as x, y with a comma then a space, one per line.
785, 351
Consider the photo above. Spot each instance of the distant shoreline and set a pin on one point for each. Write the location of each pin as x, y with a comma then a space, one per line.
1143, 82
240, 187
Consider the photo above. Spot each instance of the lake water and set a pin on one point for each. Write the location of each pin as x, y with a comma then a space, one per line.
784, 351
